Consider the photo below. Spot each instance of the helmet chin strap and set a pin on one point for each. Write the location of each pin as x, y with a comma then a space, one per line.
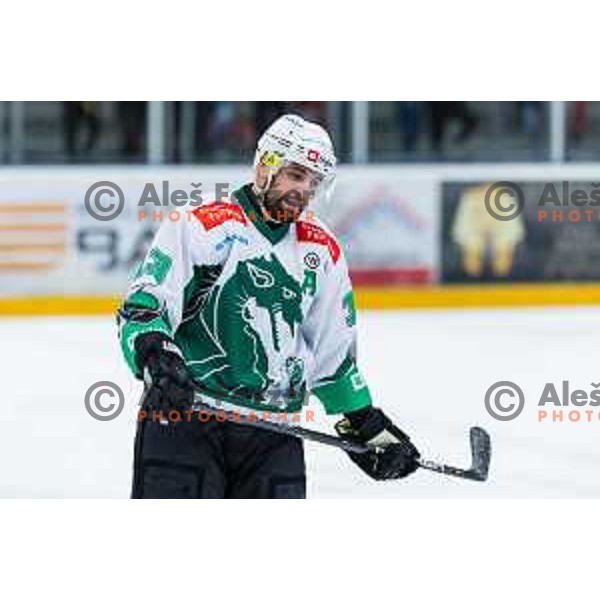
261, 193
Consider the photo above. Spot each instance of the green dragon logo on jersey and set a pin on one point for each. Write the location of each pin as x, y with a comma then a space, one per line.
268, 286
242, 329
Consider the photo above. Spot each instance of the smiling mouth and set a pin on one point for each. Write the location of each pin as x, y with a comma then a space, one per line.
291, 205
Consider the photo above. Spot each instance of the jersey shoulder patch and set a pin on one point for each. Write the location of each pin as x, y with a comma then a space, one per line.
216, 213
311, 232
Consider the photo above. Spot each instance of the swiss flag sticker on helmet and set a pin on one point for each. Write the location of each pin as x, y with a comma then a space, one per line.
313, 155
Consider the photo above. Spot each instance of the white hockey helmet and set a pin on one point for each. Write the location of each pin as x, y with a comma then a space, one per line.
292, 139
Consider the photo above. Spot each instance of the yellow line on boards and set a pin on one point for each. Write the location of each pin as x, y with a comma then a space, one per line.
58, 305
372, 298
478, 296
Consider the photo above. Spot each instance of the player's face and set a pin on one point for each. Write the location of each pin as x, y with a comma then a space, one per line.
292, 189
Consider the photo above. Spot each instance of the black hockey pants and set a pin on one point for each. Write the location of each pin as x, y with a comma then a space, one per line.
216, 460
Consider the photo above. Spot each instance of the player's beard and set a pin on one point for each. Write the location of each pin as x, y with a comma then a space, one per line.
285, 207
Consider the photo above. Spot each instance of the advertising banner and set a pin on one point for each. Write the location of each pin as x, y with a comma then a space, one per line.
79, 232
543, 230
387, 224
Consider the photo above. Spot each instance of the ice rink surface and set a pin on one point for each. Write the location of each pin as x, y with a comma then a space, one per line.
429, 370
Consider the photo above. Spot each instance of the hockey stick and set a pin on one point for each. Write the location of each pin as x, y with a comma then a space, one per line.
480, 444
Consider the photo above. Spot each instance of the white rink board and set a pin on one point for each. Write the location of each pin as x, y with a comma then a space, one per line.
388, 217
96, 256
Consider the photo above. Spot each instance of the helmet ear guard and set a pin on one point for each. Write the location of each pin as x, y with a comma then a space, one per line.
273, 162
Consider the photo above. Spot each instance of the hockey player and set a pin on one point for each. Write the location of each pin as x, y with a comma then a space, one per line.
249, 303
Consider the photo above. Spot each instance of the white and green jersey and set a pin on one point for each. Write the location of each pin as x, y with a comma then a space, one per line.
262, 312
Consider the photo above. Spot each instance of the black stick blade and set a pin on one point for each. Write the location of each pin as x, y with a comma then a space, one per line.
481, 453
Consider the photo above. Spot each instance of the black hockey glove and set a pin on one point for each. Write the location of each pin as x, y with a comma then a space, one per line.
395, 456
167, 379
